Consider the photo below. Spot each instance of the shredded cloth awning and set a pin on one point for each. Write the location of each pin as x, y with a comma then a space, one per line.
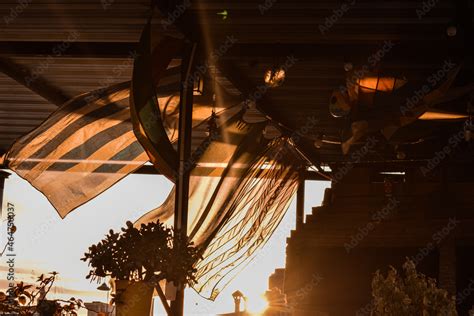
235, 206
241, 184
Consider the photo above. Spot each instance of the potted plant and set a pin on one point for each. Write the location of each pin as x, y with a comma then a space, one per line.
137, 259
27, 300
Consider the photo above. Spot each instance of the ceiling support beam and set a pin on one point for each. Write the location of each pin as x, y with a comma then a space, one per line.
307, 51
150, 170
74, 49
34, 82
426, 52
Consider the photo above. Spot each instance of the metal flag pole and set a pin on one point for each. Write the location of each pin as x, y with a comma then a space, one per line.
184, 153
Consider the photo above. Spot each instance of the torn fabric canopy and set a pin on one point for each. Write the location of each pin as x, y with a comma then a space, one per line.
240, 188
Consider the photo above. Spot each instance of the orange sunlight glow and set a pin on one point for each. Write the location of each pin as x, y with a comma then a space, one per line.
438, 115
44, 242
257, 304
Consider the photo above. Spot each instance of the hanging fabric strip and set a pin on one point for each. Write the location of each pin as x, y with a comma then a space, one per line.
241, 184
240, 189
249, 217
147, 121
205, 166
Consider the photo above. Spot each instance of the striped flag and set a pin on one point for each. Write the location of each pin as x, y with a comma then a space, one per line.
88, 144
81, 150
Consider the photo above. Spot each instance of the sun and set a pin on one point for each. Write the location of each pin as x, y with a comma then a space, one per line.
257, 304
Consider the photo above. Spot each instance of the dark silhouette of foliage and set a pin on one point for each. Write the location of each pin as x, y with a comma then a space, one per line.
20, 299
151, 253
411, 293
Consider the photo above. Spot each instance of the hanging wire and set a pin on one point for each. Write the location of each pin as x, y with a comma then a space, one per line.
469, 124
212, 127
214, 90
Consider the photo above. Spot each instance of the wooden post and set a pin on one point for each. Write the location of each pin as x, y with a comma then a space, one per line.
300, 203
184, 153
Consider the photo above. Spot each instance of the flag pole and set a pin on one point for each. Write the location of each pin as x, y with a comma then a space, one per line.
184, 153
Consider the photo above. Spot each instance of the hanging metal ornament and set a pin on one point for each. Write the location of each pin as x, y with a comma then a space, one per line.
348, 66
212, 128
469, 124
388, 187
275, 77
318, 141
361, 91
339, 104
451, 30
400, 153
250, 104
252, 115
271, 131
468, 135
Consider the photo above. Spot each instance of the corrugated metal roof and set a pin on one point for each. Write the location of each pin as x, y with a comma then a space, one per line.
21, 110
266, 32
92, 20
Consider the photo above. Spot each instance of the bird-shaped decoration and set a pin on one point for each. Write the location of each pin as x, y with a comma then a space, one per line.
375, 102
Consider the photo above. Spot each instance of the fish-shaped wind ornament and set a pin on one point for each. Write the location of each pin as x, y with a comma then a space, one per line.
378, 102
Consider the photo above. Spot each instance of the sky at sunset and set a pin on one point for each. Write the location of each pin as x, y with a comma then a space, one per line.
44, 242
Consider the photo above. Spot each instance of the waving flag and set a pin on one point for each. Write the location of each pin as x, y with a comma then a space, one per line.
82, 149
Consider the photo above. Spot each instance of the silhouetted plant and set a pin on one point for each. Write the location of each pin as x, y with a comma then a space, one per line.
410, 294
145, 254
21, 299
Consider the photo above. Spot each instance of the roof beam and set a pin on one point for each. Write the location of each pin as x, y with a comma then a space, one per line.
35, 83
401, 53
74, 49
150, 170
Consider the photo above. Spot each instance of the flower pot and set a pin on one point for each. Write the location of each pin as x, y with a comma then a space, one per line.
47, 308
133, 298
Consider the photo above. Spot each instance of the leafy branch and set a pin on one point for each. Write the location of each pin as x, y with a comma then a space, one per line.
150, 253
26, 300
409, 294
